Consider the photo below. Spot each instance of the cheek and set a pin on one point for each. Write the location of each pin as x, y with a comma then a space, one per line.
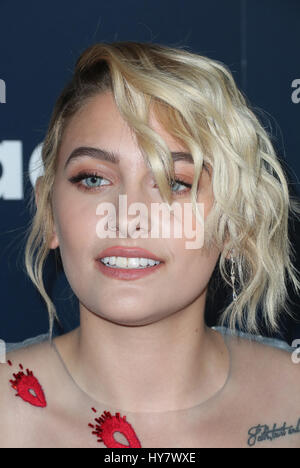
194, 266
205, 203
188, 276
75, 223
186, 228
194, 263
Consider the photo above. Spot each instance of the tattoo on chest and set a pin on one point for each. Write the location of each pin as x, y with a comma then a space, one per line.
262, 432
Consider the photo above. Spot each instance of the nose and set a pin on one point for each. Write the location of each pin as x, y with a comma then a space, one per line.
133, 212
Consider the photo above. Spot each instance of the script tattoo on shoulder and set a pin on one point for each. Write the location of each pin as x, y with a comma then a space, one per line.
262, 432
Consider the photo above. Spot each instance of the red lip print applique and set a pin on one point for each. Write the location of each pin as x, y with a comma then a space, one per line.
108, 424
28, 387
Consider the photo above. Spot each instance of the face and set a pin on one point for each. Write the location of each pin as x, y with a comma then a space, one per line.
182, 277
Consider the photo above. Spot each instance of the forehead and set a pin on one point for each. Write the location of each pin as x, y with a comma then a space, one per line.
99, 121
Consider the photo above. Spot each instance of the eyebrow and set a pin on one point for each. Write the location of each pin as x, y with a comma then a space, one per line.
112, 157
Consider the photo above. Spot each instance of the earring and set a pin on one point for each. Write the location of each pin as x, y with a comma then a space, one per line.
232, 273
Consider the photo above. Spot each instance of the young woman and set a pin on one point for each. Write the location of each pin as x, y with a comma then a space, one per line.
160, 127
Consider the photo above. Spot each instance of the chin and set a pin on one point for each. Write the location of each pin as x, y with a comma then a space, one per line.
128, 319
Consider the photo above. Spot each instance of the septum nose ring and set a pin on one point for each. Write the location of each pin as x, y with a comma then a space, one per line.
111, 223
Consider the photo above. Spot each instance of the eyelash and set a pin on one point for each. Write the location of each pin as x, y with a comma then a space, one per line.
87, 175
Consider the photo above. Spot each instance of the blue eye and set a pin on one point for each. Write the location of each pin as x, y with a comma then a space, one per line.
177, 183
95, 181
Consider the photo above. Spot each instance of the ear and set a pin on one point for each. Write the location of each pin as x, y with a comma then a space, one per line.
54, 243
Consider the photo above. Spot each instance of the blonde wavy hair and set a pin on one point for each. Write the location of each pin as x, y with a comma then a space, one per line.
197, 101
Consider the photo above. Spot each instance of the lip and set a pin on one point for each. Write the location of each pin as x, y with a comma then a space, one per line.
130, 252
126, 275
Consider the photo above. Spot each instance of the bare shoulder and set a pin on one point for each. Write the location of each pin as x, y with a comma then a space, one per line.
14, 410
38, 401
276, 365
270, 406
18, 361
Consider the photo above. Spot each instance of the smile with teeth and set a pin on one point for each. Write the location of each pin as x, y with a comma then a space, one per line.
128, 262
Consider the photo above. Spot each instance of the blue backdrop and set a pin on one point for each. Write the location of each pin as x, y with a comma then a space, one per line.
39, 44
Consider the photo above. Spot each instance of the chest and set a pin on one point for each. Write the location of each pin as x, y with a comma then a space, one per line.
221, 428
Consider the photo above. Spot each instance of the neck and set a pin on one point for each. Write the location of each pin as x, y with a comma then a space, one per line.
168, 365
